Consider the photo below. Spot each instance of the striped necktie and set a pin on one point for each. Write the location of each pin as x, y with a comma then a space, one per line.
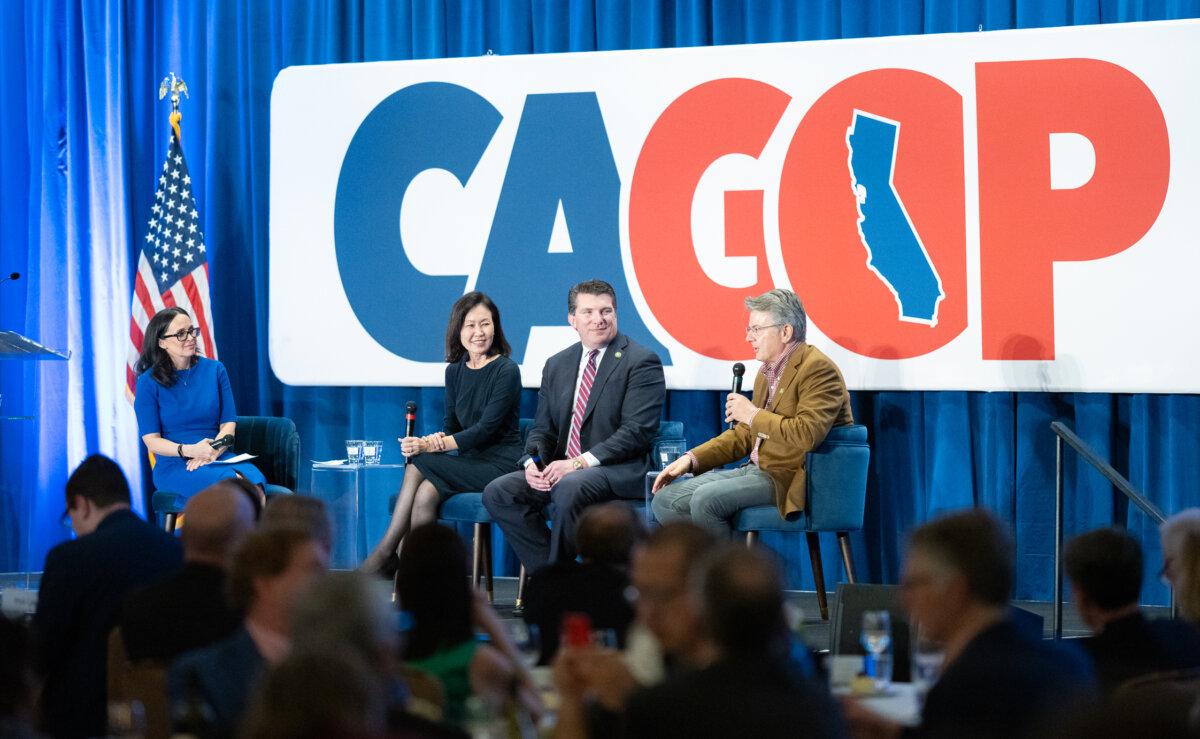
581, 399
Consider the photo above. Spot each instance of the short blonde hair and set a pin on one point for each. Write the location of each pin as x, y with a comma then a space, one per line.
1181, 547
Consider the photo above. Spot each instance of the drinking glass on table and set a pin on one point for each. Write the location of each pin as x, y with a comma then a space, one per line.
877, 640
927, 656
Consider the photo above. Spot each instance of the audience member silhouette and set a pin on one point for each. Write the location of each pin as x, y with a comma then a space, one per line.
83, 585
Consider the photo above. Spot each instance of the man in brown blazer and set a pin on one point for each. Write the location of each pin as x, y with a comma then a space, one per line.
799, 395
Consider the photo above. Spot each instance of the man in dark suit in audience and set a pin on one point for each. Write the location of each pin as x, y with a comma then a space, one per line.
598, 411
997, 680
596, 585
271, 570
83, 584
1105, 571
751, 688
191, 609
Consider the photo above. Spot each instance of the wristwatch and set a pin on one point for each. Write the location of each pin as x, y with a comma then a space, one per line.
577, 463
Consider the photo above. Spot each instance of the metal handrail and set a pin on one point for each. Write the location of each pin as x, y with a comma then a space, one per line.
1065, 434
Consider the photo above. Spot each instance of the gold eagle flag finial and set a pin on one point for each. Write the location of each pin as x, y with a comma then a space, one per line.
173, 85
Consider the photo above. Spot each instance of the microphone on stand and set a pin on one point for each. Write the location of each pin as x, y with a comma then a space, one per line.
14, 277
739, 369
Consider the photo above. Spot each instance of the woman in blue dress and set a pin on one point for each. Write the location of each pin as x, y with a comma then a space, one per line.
183, 403
483, 389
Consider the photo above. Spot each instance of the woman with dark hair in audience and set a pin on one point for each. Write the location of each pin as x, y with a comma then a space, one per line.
483, 388
433, 589
184, 402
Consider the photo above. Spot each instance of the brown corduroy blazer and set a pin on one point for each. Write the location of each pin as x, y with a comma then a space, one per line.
811, 399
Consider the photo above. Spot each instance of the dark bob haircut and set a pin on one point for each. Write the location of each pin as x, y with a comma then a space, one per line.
458, 315
153, 357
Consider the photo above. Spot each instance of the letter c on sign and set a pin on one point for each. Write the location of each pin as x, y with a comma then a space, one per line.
423, 126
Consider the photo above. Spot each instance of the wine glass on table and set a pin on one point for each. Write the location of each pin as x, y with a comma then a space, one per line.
877, 640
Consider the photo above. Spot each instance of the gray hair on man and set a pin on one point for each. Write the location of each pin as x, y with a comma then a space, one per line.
346, 611
785, 306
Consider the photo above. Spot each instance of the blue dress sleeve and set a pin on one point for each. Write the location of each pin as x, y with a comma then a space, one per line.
497, 409
228, 409
145, 405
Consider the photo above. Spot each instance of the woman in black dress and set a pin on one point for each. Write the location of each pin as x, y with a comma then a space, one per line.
483, 388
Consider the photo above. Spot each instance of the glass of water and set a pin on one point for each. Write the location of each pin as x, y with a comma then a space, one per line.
927, 657
877, 640
372, 452
354, 451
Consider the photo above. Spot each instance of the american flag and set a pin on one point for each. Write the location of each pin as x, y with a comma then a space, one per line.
172, 263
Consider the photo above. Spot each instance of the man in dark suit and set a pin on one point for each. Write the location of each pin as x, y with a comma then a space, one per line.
598, 412
997, 680
1105, 570
190, 609
271, 570
83, 584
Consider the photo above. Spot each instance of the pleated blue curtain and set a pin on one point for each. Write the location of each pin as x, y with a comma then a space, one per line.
81, 136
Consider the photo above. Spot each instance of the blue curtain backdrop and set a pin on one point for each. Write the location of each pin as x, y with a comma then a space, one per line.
82, 135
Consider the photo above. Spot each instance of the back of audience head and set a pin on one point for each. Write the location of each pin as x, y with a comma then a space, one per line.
254, 494
300, 512
1181, 560
1105, 570
742, 595
659, 576
218, 518
432, 586
607, 533
955, 563
347, 611
96, 488
273, 567
317, 694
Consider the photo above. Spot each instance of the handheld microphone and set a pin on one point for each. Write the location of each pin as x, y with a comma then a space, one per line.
739, 369
410, 419
221, 443
14, 277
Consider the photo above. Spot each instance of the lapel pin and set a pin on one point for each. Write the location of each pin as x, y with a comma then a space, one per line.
618, 355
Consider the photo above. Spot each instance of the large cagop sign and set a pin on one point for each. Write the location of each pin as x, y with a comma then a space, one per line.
996, 211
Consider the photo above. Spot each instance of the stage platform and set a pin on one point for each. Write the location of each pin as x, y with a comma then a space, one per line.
816, 631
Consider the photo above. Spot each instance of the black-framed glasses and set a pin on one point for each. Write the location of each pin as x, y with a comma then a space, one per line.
184, 334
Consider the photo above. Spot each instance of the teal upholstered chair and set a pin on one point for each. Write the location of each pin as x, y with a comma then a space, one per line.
836, 493
468, 508
276, 444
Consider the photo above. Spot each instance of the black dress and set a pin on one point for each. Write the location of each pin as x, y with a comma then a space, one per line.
481, 415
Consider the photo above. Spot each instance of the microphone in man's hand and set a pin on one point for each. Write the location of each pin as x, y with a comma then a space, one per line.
14, 277
739, 369
410, 419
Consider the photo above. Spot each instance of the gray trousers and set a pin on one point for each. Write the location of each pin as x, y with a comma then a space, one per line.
712, 500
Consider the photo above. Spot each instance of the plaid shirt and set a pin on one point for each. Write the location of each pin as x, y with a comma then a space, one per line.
772, 371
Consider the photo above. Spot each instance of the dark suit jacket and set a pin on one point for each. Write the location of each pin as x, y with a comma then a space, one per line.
811, 398
621, 417
223, 674
736, 697
1005, 684
1136, 645
186, 611
83, 584
570, 587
